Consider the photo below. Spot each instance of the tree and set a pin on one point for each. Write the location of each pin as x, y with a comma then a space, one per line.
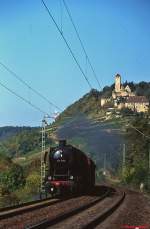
137, 154
13, 178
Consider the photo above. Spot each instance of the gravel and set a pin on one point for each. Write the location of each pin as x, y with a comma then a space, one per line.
135, 211
82, 219
23, 220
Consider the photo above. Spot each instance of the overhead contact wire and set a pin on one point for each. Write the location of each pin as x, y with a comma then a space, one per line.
68, 46
82, 45
22, 98
29, 87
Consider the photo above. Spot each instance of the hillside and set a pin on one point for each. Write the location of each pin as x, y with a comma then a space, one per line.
98, 139
20, 141
84, 124
89, 104
9, 131
5, 163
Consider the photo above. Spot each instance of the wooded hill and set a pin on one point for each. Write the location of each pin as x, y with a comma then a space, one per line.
9, 131
82, 124
17, 141
90, 102
23, 140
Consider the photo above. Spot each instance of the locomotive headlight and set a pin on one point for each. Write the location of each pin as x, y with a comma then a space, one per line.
71, 177
52, 189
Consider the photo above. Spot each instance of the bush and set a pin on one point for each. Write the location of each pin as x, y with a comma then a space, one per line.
12, 179
33, 183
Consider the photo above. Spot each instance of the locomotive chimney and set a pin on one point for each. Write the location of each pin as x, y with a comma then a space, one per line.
62, 143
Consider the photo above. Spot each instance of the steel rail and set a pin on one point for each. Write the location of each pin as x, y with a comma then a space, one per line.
105, 215
27, 207
47, 223
23, 204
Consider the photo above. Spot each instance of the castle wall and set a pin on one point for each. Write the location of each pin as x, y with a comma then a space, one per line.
139, 107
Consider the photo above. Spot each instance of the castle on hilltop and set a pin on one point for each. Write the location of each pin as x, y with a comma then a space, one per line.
120, 90
124, 97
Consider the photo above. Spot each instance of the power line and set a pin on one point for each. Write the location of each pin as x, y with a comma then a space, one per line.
27, 85
146, 136
61, 16
133, 127
22, 98
68, 46
81, 42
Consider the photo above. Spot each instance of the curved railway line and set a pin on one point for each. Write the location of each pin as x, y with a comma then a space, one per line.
62, 213
91, 217
70, 213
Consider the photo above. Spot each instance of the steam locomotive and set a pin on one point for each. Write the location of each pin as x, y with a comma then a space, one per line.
69, 170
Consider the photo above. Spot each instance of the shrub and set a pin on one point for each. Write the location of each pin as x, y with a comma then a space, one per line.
33, 183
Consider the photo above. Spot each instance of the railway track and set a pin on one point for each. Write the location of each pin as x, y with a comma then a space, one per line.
8, 212
58, 213
105, 214
59, 218
22, 204
79, 218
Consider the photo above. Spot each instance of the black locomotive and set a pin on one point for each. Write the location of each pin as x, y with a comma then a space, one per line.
69, 170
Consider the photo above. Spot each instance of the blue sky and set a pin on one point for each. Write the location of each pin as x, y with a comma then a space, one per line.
116, 35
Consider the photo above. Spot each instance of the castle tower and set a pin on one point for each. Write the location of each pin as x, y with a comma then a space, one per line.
117, 83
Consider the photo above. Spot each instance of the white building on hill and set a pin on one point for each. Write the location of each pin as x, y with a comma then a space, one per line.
123, 97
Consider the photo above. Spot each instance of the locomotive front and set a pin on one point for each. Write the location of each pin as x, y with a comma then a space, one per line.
69, 170
60, 177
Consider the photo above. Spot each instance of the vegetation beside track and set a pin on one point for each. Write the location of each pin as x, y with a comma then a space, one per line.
84, 124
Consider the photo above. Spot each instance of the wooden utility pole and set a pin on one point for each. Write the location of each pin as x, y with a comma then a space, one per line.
124, 159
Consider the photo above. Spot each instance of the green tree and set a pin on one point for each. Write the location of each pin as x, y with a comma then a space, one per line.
12, 179
137, 154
